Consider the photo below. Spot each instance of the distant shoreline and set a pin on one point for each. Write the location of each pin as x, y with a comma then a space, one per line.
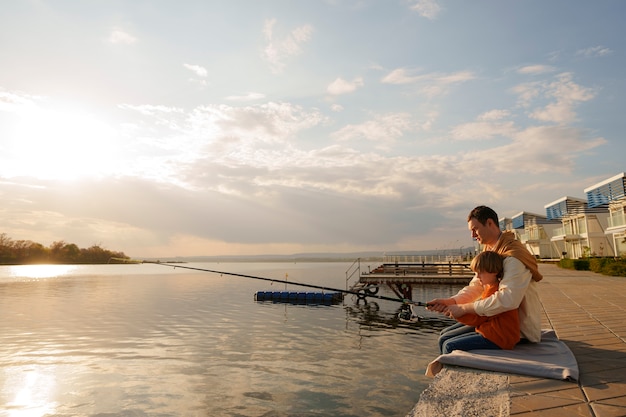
369, 256
261, 260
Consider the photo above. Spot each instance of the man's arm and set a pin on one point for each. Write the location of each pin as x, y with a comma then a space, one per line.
511, 292
470, 292
466, 295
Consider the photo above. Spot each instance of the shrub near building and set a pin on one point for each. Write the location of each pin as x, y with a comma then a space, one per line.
605, 266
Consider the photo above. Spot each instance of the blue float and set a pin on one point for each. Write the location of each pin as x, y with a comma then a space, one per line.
293, 297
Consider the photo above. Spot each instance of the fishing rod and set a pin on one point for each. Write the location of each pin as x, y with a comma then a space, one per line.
282, 281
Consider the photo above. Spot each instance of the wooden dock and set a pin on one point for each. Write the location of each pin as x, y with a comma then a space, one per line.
401, 276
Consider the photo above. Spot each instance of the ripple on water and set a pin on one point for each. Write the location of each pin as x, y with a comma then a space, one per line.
190, 343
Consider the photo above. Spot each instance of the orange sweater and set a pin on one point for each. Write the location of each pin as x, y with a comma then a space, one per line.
501, 329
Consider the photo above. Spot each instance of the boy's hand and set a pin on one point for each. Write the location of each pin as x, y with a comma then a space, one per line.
440, 304
454, 311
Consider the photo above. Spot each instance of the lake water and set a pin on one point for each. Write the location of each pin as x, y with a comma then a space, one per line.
152, 340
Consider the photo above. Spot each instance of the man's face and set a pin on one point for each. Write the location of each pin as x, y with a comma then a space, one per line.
481, 232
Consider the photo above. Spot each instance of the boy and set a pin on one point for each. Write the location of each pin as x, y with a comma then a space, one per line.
501, 331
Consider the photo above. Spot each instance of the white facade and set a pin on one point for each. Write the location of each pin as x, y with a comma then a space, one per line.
611, 193
582, 230
534, 231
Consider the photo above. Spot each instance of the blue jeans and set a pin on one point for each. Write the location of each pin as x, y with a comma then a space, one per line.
467, 341
455, 330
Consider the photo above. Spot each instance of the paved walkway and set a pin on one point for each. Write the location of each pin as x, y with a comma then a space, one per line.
588, 312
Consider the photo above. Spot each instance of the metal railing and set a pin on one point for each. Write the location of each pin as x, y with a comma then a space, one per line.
439, 258
355, 268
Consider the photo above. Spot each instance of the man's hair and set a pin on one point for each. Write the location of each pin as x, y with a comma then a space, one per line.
482, 214
488, 261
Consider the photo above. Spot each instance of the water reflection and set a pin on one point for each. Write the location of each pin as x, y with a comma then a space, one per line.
370, 314
39, 271
32, 392
175, 343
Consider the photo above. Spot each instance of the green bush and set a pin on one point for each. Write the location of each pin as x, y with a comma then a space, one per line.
605, 266
578, 264
598, 264
616, 269
581, 264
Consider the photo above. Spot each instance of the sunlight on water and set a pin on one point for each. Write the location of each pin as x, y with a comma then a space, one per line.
30, 392
40, 271
121, 340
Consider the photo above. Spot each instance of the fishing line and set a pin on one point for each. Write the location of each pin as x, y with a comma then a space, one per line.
282, 281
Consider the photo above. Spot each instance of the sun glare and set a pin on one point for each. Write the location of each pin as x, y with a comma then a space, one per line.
40, 271
59, 143
32, 390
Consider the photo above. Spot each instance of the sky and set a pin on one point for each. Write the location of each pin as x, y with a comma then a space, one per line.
249, 127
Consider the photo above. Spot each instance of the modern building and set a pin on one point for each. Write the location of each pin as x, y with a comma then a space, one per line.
582, 230
535, 231
611, 194
505, 223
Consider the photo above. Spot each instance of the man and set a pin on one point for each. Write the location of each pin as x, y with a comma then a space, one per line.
518, 288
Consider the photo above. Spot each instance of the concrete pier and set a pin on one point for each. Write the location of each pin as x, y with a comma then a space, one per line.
588, 312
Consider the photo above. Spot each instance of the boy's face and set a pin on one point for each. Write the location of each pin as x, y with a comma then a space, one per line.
487, 278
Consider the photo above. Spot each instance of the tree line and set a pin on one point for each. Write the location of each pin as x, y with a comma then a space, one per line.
17, 252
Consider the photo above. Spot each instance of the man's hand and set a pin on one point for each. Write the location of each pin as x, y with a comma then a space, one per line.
440, 304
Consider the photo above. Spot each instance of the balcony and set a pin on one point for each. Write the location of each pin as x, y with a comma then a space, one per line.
617, 219
565, 233
531, 235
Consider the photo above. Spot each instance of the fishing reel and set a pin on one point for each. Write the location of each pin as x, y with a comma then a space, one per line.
406, 314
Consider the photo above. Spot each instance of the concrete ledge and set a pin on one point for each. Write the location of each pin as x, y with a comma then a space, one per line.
464, 392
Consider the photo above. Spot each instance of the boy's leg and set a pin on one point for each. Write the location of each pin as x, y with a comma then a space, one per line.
455, 330
468, 341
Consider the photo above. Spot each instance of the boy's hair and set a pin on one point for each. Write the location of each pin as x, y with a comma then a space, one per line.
482, 214
488, 261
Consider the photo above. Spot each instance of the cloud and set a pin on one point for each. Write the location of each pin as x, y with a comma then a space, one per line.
233, 133
535, 69
430, 84
595, 51
197, 69
251, 194
151, 110
483, 129
566, 94
119, 36
251, 96
486, 126
13, 101
400, 76
534, 150
562, 95
382, 129
426, 8
496, 114
341, 86
431, 117
269, 122
300, 204
277, 51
